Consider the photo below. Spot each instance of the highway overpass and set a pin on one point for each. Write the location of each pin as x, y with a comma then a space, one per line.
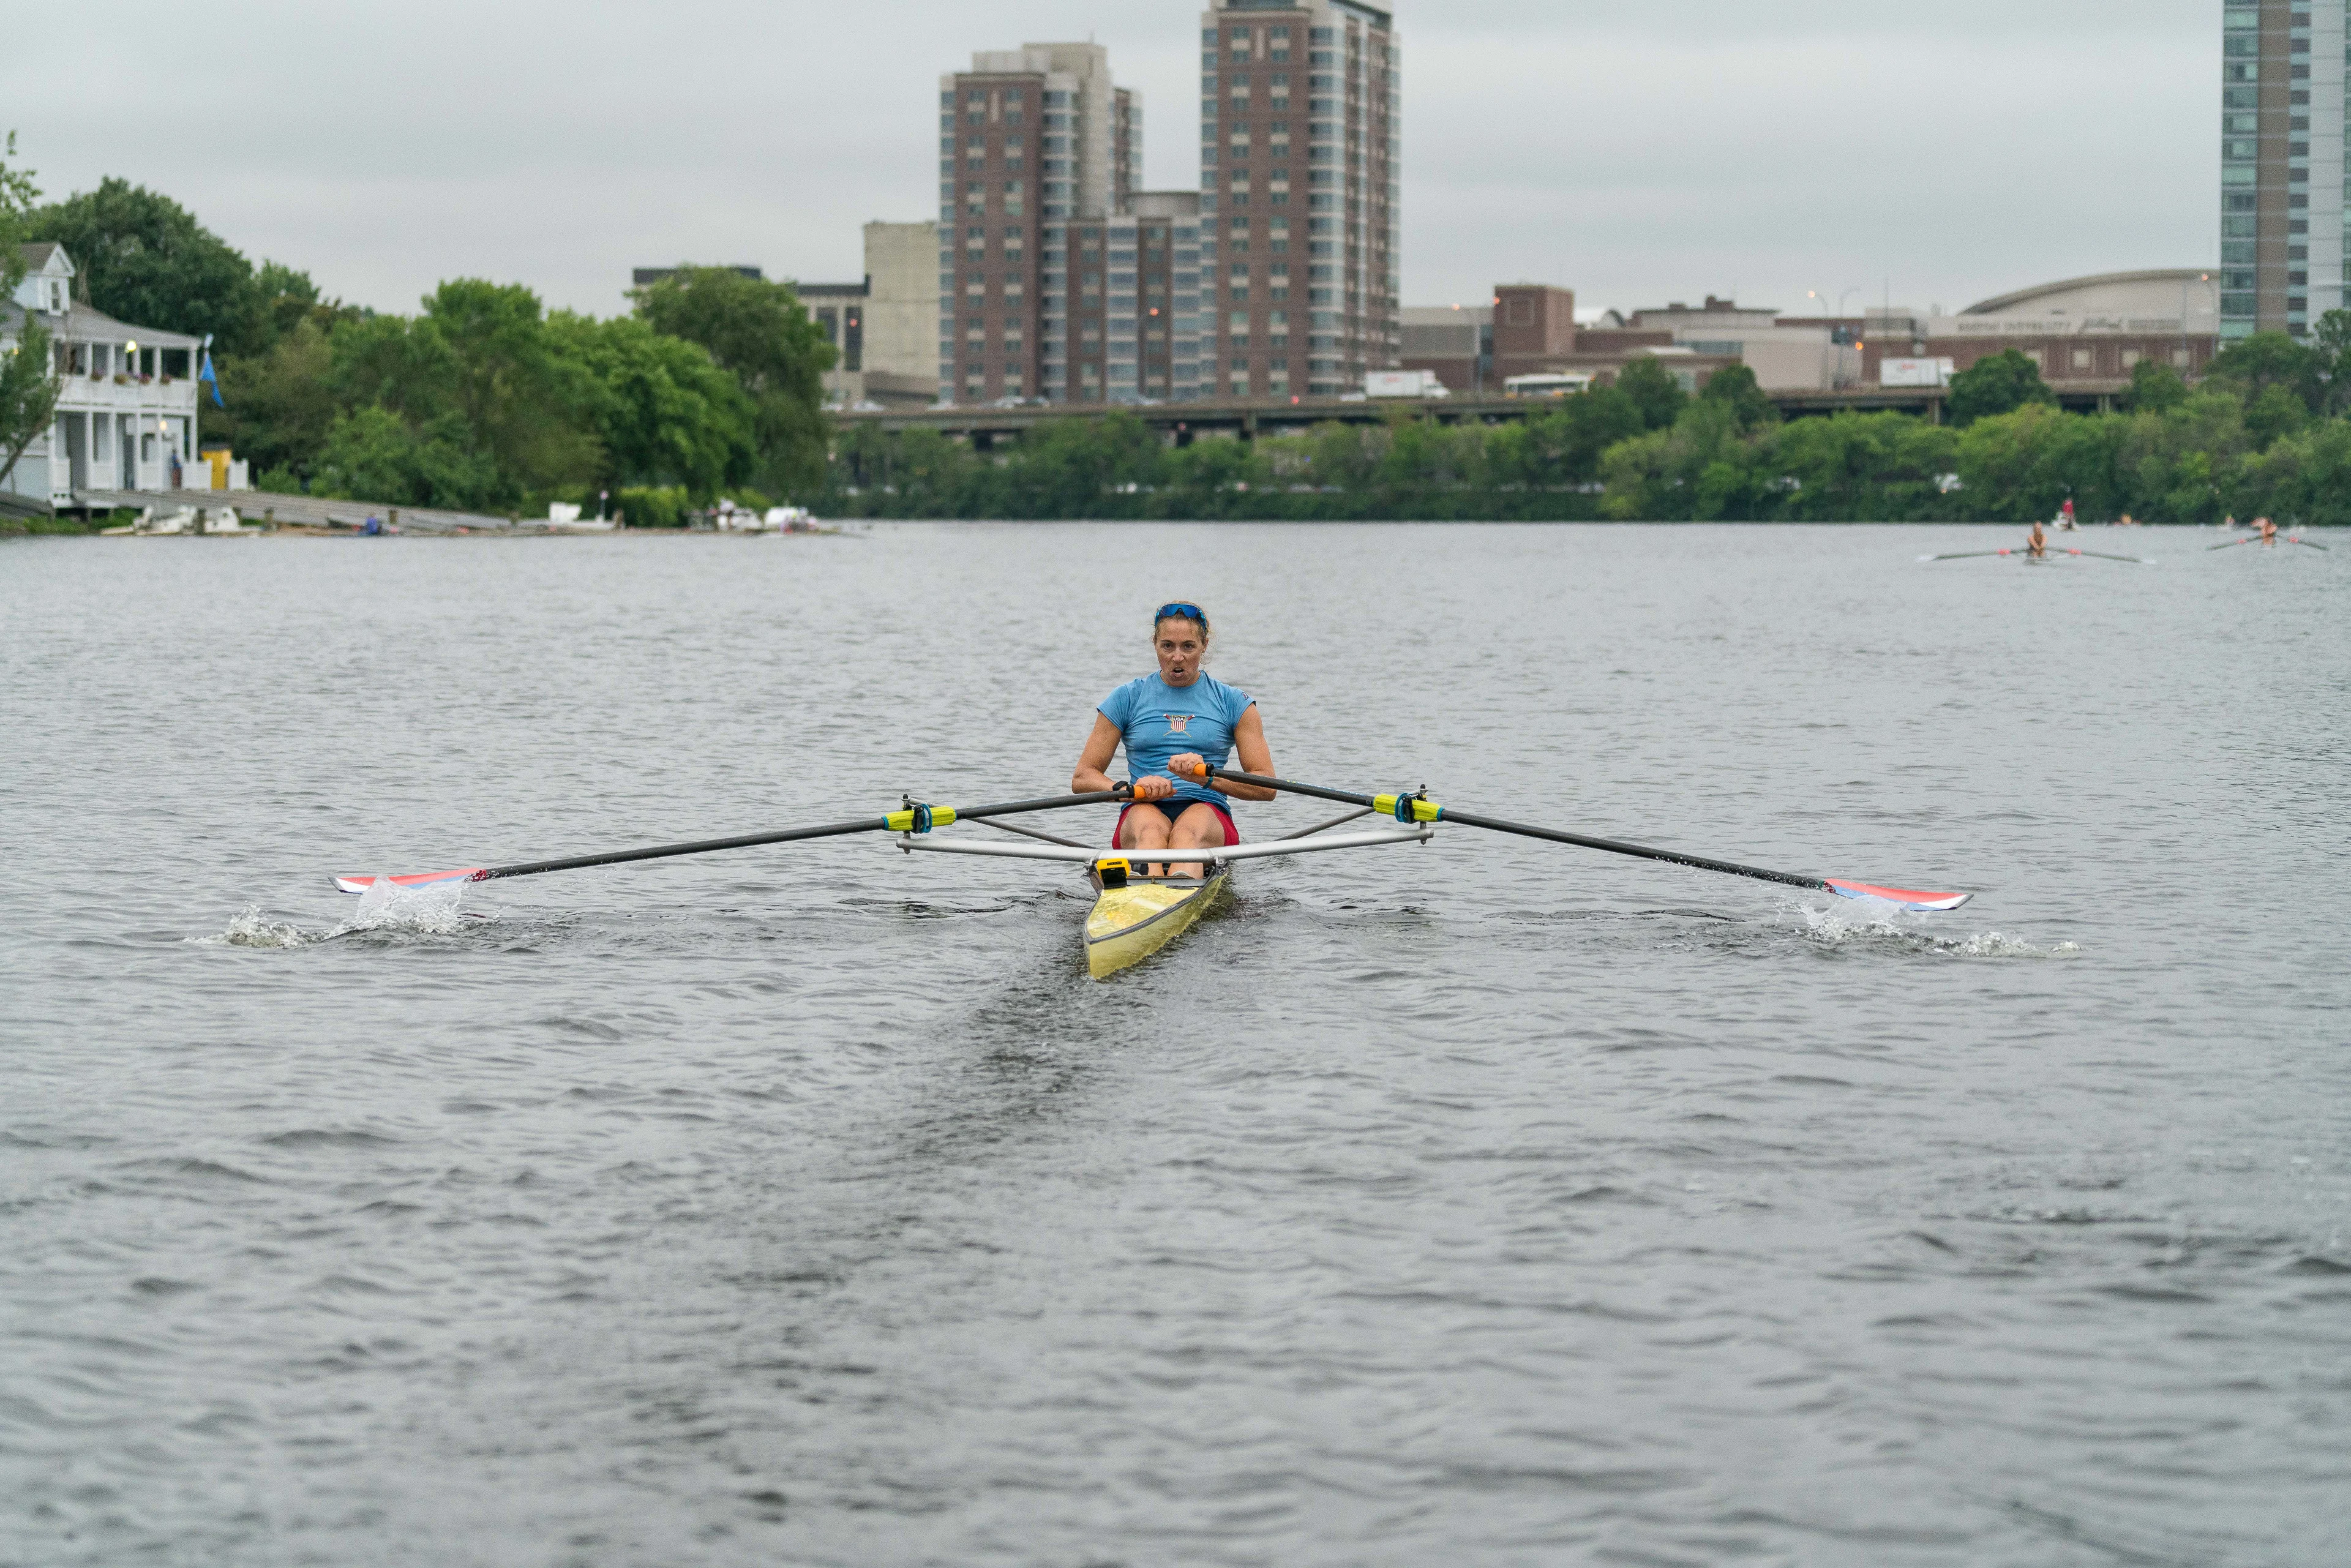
1247, 418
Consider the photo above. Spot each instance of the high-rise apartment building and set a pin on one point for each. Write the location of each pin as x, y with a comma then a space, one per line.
1154, 327
1301, 117
2282, 165
1037, 149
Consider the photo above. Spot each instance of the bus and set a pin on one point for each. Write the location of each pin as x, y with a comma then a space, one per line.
1551, 383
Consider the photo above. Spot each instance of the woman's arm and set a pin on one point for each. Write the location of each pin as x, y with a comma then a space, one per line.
1093, 764
1249, 740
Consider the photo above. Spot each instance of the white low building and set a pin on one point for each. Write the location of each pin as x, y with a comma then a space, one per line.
126, 416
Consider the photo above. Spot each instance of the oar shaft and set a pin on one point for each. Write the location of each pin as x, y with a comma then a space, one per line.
1641, 851
792, 835
1527, 831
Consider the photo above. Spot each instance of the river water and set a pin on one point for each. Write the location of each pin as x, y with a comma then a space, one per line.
1489, 1202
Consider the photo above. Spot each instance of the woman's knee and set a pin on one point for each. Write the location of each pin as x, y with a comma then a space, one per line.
1201, 827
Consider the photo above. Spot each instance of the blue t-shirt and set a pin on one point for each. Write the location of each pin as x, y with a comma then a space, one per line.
1160, 722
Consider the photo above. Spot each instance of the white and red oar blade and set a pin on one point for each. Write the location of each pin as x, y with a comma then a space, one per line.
423, 879
1908, 898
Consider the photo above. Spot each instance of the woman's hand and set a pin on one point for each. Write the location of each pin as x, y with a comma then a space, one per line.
1154, 788
1191, 764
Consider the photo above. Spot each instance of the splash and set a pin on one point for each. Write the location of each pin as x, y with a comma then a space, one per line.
433, 911
1869, 923
252, 929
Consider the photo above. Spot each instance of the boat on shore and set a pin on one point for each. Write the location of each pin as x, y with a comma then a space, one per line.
726, 518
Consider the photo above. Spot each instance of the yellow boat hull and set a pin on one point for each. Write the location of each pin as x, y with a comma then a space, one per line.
1129, 924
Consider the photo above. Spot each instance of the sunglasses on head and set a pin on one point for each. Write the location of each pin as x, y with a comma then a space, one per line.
1181, 612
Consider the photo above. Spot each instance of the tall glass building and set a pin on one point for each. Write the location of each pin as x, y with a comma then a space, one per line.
1301, 113
2282, 126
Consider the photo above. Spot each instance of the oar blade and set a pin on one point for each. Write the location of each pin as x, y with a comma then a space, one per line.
1908, 898
423, 879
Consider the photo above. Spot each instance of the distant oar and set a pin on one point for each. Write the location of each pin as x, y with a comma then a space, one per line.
1412, 808
1970, 555
2094, 555
912, 819
2232, 544
2305, 543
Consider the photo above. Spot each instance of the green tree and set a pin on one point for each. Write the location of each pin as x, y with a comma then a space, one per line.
2180, 465
1654, 390
2154, 387
2303, 478
1997, 384
28, 383
2027, 463
1080, 468
143, 258
2331, 340
1862, 467
759, 332
1561, 445
1702, 470
482, 353
664, 414
2275, 411
2255, 364
1735, 387
373, 455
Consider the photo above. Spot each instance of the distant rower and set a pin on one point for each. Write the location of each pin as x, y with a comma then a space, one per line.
2036, 543
2269, 531
1172, 723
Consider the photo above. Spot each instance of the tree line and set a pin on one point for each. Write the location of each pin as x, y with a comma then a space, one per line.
2264, 431
482, 401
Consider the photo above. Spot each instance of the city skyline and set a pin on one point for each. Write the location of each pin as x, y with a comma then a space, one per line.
1637, 159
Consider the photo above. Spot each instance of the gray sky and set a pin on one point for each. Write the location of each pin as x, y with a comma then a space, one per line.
1635, 152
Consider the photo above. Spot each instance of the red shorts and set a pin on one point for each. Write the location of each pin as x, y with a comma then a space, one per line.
1172, 810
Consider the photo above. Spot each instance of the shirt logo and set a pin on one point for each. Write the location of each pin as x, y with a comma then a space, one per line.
1177, 721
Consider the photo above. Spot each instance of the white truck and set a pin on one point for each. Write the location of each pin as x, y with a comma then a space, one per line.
1404, 383
1914, 372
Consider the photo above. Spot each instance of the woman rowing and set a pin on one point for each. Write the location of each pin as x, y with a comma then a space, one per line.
1173, 723
2036, 543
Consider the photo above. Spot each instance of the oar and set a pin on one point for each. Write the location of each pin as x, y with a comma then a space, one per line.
2232, 544
2307, 544
1969, 555
2094, 555
1414, 809
913, 818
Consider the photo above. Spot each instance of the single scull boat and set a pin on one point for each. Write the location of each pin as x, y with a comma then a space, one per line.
1138, 911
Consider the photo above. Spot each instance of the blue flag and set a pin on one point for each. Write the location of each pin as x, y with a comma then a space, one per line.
206, 375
